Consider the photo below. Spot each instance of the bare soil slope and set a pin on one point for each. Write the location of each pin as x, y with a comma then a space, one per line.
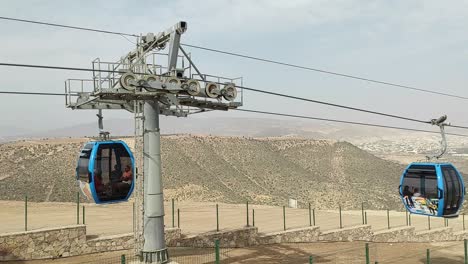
222, 169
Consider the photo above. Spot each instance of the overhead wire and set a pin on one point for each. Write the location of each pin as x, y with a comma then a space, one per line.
344, 121
335, 105
246, 88
324, 71
280, 114
57, 67
248, 57
35, 93
67, 26
242, 87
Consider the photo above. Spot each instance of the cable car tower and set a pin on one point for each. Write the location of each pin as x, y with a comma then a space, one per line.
150, 83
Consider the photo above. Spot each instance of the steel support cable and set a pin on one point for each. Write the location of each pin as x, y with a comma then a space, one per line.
279, 114
242, 87
345, 122
245, 56
335, 105
340, 106
67, 26
324, 71
33, 93
57, 67
328, 104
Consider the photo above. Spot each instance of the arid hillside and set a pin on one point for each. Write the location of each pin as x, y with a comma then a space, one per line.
224, 169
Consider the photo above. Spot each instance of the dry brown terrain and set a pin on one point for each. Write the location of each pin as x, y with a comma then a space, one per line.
220, 169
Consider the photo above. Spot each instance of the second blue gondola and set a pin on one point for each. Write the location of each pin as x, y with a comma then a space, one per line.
105, 171
433, 189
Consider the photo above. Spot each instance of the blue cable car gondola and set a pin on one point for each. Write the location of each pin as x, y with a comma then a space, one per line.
105, 171
432, 188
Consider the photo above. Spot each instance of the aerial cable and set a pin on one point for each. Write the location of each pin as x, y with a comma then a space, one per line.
278, 114
324, 71
34, 93
330, 104
67, 26
247, 57
345, 122
335, 105
57, 67
246, 88
50, 67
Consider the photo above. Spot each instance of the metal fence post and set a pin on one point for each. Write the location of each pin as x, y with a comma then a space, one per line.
217, 218
77, 208
429, 222
122, 259
310, 216
284, 218
465, 242
173, 216
367, 254
26, 213
84, 215
365, 217
362, 212
178, 218
388, 219
217, 260
253, 217
463, 221
428, 256
311, 260
341, 220
409, 219
407, 223
247, 210
313, 216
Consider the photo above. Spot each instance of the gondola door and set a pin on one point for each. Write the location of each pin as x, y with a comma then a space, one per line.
453, 187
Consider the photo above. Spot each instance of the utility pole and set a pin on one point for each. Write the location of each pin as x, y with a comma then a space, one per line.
165, 89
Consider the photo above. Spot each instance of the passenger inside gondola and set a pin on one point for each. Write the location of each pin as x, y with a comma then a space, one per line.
125, 183
408, 195
116, 174
416, 193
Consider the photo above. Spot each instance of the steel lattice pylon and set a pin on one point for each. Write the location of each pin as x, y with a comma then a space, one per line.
140, 177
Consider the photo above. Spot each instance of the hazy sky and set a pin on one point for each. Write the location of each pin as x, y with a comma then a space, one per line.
416, 43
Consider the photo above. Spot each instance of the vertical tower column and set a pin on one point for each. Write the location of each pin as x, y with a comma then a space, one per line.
154, 248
